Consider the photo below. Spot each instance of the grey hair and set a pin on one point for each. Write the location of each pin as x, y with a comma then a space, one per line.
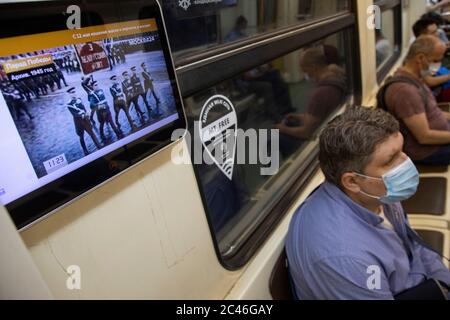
348, 142
423, 45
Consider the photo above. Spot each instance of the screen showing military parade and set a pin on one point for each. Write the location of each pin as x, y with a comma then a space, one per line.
73, 100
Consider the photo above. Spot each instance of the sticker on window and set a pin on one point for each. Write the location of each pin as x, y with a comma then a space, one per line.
218, 132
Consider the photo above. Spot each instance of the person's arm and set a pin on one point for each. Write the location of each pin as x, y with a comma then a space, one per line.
419, 127
348, 278
300, 117
437, 81
432, 262
305, 131
438, 6
92, 102
447, 115
434, 266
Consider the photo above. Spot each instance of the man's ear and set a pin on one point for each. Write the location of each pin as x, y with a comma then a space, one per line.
348, 181
421, 57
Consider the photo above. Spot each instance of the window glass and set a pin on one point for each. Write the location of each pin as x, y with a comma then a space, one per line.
195, 25
387, 43
296, 93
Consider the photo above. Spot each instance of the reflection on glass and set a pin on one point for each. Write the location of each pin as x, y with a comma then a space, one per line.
239, 30
321, 67
385, 38
296, 94
194, 26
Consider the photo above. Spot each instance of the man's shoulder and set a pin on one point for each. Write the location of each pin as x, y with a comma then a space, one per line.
326, 224
403, 78
318, 213
404, 87
320, 197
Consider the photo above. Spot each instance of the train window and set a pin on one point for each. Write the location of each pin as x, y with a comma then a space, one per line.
296, 93
195, 26
389, 37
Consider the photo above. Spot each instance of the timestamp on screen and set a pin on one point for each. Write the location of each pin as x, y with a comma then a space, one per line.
55, 163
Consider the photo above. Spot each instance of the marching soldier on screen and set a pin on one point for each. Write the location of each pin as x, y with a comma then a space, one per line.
120, 102
98, 102
128, 90
148, 86
139, 89
87, 84
81, 119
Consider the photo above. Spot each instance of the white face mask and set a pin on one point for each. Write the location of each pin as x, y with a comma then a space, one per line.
434, 67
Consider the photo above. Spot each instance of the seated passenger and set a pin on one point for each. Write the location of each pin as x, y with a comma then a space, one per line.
428, 26
440, 22
425, 27
424, 125
351, 239
329, 92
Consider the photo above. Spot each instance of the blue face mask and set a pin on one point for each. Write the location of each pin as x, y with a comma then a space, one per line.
401, 183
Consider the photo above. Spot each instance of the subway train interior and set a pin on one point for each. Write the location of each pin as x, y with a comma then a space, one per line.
174, 149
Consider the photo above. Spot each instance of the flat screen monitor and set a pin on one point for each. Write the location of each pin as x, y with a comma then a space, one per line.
88, 90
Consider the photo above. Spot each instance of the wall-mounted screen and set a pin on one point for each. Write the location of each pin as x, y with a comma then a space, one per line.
84, 96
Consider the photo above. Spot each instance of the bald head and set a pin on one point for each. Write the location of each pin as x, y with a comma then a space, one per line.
428, 46
425, 55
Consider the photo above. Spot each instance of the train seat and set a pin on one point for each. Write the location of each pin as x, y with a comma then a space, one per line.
279, 284
445, 106
431, 169
434, 239
430, 198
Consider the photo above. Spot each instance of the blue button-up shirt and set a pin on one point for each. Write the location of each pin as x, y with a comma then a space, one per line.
336, 247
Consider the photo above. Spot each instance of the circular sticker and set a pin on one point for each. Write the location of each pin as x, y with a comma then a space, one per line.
218, 132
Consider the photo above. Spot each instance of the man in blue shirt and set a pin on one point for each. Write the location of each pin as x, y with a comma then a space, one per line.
351, 239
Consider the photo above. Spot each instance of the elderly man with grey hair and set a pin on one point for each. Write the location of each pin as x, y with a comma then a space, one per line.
425, 127
351, 239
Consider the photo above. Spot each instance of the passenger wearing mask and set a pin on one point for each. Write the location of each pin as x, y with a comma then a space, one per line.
424, 125
354, 225
427, 26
